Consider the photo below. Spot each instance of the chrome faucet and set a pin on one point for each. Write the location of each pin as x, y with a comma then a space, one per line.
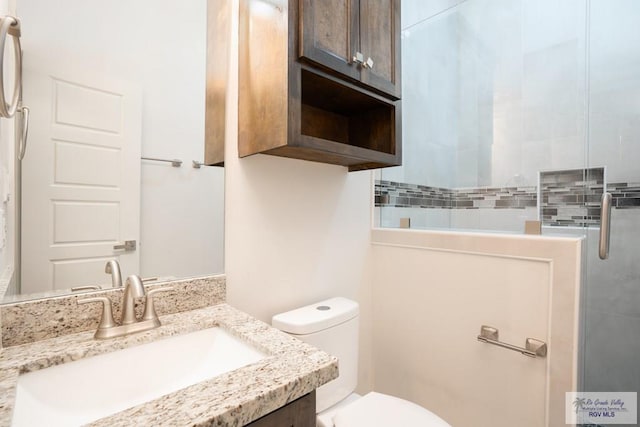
128, 323
133, 288
113, 268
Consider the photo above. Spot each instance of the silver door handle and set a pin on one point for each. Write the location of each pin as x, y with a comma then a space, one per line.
128, 245
605, 226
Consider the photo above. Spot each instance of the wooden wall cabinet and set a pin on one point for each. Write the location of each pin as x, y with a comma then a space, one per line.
301, 96
359, 39
217, 74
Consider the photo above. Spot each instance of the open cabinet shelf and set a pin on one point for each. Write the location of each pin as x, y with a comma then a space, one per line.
291, 108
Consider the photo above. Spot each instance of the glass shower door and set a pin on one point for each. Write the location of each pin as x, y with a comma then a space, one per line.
518, 110
611, 289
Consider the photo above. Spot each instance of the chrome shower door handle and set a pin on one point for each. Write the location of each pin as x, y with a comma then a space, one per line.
605, 226
128, 245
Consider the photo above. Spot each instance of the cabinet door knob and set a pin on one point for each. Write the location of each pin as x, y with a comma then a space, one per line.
368, 63
358, 58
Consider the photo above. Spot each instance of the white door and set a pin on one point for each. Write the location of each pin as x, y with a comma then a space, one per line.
81, 178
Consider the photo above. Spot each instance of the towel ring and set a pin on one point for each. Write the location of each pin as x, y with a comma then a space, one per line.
10, 25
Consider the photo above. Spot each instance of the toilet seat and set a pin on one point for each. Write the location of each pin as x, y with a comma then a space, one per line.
377, 409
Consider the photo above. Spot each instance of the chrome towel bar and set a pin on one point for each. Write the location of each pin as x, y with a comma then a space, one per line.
533, 347
198, 164
176, 163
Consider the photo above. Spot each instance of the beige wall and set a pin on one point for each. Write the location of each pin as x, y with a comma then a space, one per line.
432, 291
7, 214
296, 232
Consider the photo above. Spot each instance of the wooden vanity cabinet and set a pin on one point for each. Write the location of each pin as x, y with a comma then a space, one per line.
312, 102
299, 413
359, 39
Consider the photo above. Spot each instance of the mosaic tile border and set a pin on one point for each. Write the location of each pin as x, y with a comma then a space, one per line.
626, 195
404, 195
569, 198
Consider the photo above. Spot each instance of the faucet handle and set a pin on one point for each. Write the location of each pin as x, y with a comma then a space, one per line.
149, 307
106, 321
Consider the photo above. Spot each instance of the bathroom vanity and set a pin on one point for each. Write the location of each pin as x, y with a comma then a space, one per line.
276, 388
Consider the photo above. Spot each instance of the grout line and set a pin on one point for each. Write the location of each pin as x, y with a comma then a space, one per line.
434, 15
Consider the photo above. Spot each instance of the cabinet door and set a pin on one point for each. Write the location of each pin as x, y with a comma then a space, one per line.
299, 413
380, 41
329, 34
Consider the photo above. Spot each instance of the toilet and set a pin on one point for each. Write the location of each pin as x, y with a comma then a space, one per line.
332, 326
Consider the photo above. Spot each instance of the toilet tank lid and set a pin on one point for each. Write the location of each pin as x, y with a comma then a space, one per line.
316, 317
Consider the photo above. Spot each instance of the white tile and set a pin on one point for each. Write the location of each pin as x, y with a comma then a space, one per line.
611, 352
550, 22
567, 153
536, 156
613, 285
414, 11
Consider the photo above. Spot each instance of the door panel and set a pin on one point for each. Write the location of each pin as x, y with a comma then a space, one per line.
464, 381
79, 271
104, 115
81, 178
612, 300
79, 221
100, 166
329, 34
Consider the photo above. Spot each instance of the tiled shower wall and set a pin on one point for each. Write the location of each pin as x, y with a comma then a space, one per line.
403, 195
571, 197
567, 197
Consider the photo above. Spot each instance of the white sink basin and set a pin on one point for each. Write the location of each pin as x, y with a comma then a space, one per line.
79, 392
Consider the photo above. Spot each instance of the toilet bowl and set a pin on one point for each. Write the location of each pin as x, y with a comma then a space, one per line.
332, 326
377, 409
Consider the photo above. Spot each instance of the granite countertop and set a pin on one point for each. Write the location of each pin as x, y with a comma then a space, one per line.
236, 398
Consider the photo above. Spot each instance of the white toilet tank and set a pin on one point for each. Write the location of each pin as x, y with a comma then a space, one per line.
331, 326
